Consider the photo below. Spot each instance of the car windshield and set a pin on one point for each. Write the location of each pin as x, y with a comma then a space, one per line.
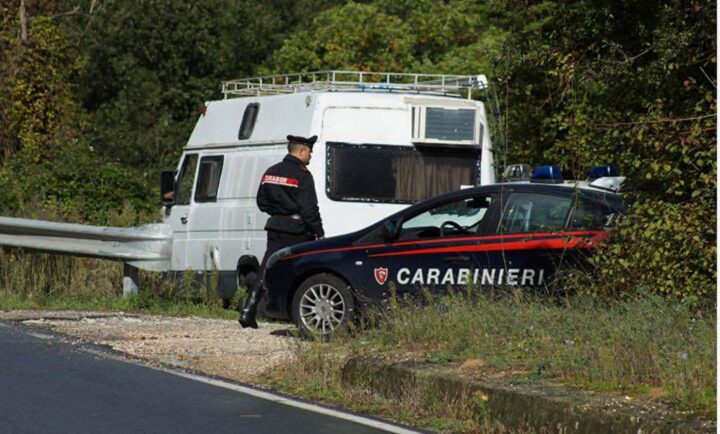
460, 217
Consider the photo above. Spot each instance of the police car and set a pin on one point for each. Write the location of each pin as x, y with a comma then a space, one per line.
514, 234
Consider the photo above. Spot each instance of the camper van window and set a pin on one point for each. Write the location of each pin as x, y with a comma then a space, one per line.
185, 179
397, 174
248, 121
208, 178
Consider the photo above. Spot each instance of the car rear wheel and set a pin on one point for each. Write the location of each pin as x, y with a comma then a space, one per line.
322, 305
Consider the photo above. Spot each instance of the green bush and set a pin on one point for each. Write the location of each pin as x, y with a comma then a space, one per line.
663, 248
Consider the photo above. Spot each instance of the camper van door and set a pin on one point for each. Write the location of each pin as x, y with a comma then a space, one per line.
178, 214
206, 216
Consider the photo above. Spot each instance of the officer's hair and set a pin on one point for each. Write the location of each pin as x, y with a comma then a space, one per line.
294, 147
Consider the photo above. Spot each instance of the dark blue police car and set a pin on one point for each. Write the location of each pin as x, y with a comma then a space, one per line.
510, 234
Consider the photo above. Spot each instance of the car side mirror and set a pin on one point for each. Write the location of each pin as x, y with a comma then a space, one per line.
389, 231
167, 188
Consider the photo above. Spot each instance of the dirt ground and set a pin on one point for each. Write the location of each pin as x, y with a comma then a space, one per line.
215, 347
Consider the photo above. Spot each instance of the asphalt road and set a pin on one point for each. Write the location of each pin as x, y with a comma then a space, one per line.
50, 386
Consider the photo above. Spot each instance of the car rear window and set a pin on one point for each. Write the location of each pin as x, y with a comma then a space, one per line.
534, 212
590, 215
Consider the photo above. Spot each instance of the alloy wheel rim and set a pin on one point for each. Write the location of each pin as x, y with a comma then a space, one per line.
322, 308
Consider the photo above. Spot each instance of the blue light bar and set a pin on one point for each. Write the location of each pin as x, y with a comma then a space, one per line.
602, 171
547, 174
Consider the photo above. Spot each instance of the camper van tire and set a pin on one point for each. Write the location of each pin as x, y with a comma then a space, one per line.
247, 269
322, 305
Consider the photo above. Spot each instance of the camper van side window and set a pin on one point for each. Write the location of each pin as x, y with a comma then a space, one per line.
248, 121
399, 174
185, 179
208, 178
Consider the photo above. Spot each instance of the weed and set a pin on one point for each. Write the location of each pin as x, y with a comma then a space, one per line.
44, 281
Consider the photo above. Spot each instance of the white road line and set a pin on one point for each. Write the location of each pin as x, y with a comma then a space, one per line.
269, 396
293, 403
39, 335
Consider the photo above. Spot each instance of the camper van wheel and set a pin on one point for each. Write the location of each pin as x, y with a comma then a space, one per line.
245, 279
322, 305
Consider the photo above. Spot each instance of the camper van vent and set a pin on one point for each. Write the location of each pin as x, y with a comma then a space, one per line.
447, 126
360, 81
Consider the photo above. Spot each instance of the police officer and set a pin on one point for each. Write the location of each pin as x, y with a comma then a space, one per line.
287, 193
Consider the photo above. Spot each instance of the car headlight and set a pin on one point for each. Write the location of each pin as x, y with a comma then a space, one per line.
277, 256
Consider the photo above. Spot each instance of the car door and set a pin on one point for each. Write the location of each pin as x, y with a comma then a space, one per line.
177, 215
432, 249
532, 241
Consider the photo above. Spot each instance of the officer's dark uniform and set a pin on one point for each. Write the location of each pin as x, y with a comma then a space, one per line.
287, 193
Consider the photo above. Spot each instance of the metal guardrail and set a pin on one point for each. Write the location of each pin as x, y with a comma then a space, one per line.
434, 84
146, 247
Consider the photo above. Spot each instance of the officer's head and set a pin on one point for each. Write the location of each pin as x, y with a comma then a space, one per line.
301, 147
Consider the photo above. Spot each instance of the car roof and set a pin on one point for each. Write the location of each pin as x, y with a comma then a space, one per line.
524, 186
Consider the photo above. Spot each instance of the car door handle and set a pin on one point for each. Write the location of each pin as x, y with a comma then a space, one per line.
183, 219
456, 258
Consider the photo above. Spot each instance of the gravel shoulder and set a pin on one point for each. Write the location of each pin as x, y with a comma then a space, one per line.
211, 346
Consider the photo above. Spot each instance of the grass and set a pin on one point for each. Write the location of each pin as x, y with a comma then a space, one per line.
652, 348
54, 282
132, 304
316, 374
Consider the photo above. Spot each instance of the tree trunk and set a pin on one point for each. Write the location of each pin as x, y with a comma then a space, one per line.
23, 23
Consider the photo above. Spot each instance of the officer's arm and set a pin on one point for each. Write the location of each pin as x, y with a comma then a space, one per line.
309, 210
263, 201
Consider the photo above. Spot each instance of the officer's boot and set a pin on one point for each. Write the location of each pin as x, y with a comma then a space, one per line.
249, 311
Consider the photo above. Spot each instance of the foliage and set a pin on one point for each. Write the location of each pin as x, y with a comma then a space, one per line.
38, 107
151, 64
75, 185
381, 36
48, 169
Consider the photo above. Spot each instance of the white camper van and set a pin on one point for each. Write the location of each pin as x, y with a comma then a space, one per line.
384, 141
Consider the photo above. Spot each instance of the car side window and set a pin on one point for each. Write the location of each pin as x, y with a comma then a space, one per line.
185, 179
457, 218
533, 212
588, 214
208, 179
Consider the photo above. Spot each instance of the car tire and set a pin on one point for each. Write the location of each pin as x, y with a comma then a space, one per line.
322, 305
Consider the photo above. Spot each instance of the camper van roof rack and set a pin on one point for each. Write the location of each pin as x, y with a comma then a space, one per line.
433, 84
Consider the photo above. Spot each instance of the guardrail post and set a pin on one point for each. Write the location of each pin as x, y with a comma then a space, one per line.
131, 280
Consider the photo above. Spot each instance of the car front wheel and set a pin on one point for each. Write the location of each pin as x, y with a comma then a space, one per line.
322, 305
